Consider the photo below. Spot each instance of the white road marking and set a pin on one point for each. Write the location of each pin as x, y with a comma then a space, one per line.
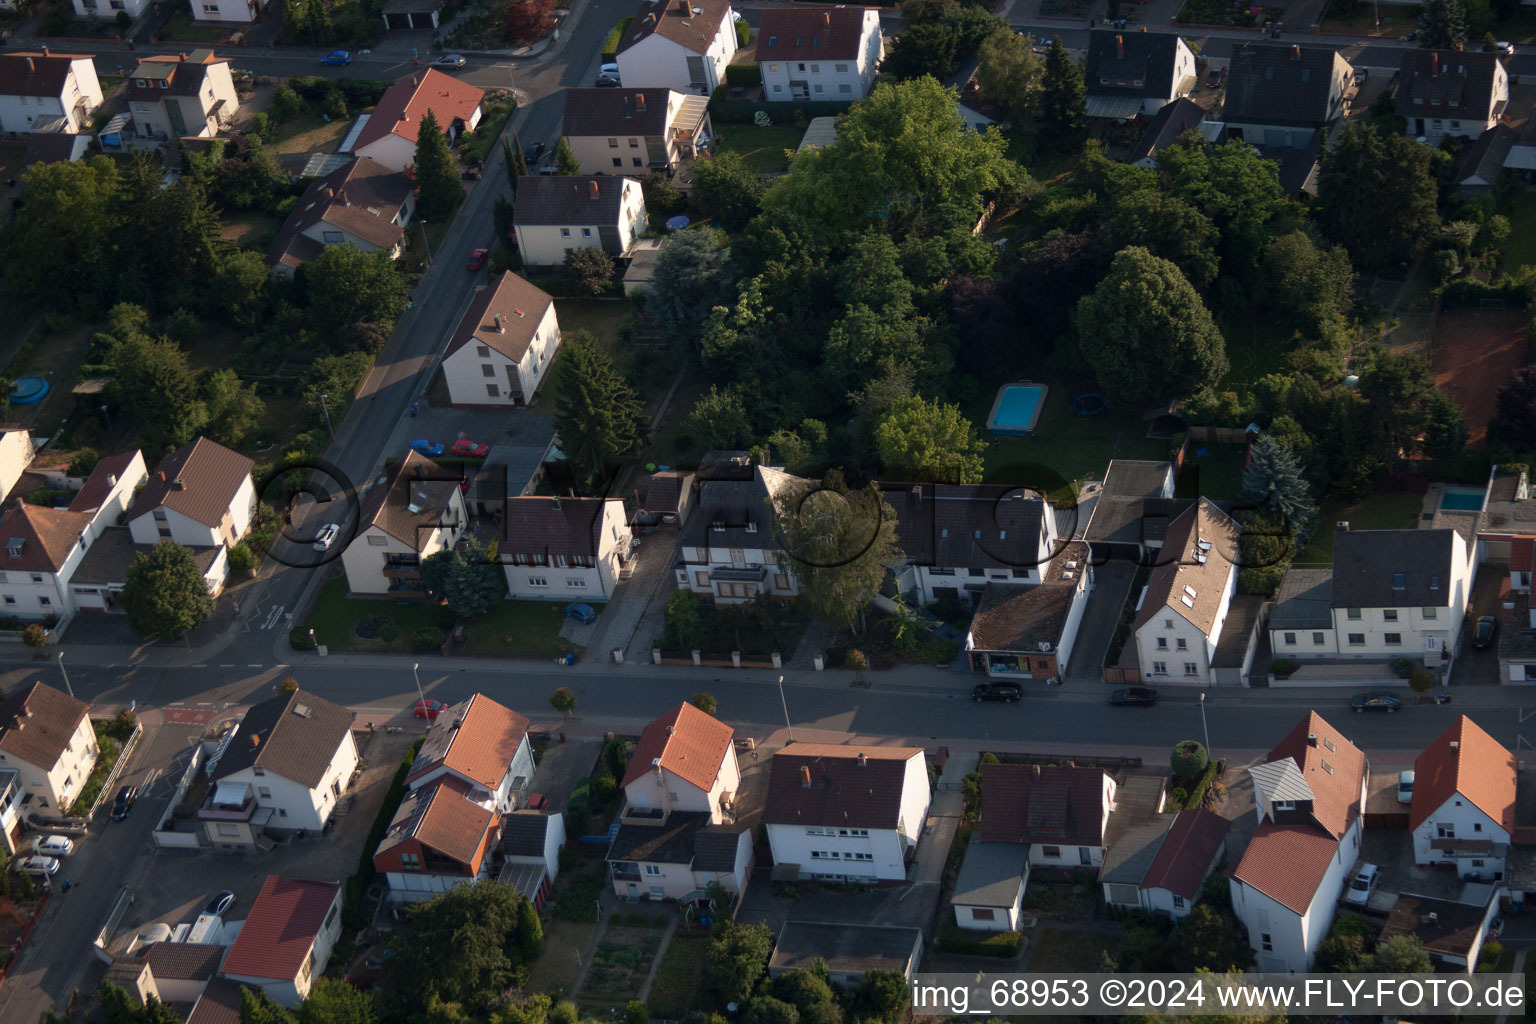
229, 664
253, 664
272, 617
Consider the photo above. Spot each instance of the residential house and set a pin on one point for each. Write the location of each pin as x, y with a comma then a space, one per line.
1062, 811
1451, 93
12, 825
558, 215
201, 495
677, 832
684, 761
219, 1003
172, 972
41, 91
1282, 98
1130, 73
846, 951
47, 737
1452, 932
442, 836
531, 842
683, 45
482, 744
503, 347
389, 137
844, 813
55, 148
633, 131
826, 54
1390, 594
1180, 619
98, 581
1463, 811
989, 891
553, 547
670, 494
1030, 632
729, 550
1166, 128
1481, 165
362, 204
287, 938
283, 766
413, 511
235, 11
1308, 793
191, 95
1134, 508
1161, 866
108, 10
16, 454
412, 14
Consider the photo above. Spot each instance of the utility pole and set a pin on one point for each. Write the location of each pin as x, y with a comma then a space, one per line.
426, 244
784, 702
414, 667
327, 410
65, 674
1203, 726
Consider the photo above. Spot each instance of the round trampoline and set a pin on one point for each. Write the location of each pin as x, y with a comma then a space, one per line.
29, 390
1090, 404
678, 223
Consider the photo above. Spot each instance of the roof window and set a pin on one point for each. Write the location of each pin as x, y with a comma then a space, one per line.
1399, 581
773, 41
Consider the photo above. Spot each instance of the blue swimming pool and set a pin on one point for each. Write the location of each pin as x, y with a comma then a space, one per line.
1461, 499
1017, 408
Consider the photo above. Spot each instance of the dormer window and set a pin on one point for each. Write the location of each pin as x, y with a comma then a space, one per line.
1399, 581
1285, 805
718, 526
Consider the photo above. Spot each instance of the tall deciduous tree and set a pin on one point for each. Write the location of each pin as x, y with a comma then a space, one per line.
59, 245
1273, 482
929, 442
598, 415
726, 190
466, 944
336, 1001
1009, 73
152, 382
1516, 410
929, 49
164, 594
588, 271
1376, 195
1065, 100
1146, 333
440, 188
1307, 285
838, 544
1442, 24
234, 409
719, 419
528, 21
256, 1007
348, 286
738, 959
466, 576
693, 275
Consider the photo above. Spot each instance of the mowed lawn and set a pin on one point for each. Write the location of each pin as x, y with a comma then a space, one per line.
1392, 510
1521, 250
761, 149
309, 133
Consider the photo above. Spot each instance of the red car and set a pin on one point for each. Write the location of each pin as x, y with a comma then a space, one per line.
471, 449
430, 708
477, 259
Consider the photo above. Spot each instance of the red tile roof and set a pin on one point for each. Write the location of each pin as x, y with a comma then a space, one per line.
404, 104
504, 317
1031, 803
199, 480
103, 478
841, 791
1336, 788
440, 817
1187, 851
1465, 760
1522, 554
280, 929
692, 24
689, 743
476, 738
810, 33
1287, 863
35, 74
46, 536
1185, 585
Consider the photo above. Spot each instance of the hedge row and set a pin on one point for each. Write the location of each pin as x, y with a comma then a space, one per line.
1469, 291
611, 44
1003, 945
352, 907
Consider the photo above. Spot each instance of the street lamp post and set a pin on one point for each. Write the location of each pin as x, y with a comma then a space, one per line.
426, 244
1203, 726
65, 674
784, 702
327, 410
414, 667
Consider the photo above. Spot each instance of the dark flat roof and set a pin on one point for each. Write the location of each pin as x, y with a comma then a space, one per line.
846, 948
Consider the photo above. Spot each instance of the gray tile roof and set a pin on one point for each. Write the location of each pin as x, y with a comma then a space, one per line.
686, 838
716, 847
1137, 478
612, 112
1127, 861
742, 507
1304, 600
1392, 568
1446, 83
296, 735
971, 525
1485, 158
537, 525
1283, 84
567, 201
991, 873
1116, 59
1173, 120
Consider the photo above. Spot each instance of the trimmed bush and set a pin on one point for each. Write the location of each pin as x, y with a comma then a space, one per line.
1421, 679
611, 44
743, 35
743, 75
1283, 667
427, 638
1188, 760
300, 640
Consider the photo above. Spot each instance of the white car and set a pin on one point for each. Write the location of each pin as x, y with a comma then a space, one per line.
1504, 49
40, 866
54, 846
1405, 787
326, 537
1361, 886
611, 70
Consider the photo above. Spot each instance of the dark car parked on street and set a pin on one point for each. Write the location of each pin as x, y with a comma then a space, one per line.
1388, 702
1483, 633
1134, 696
124, 802
1008, 692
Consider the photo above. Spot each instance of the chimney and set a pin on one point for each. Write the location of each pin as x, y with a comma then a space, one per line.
863, 761
805, 776
342, 197
111, 479
1434, 64
26, 709
917, 497
162, 476
499, 328
1455, 744
639, 105
670, 730
1296, 52
31, 65
518, 313
1311, 739
183, 58
1035, 770
1120, 47
826, 19
178, 484
255, 740
1431, 918
45, 51
1342, 525
330, 193
556, 500
592, 189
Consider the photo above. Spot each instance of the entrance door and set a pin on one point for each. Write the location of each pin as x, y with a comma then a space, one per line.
634, 891
1083, 857
1418, 126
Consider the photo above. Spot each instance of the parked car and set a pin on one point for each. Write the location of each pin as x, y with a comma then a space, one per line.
450, 60
1405, 787
1138, 696
1362, 75
337, 58
581, 612
607, 81
1388, 702
126, 796
220, 904
1483, 633
1360, 887
326, 537
54, 846
470, 449
1215, 78
533, 153
1504, 49
1009, 693
429, 448
430, 709
40, 866
477, 259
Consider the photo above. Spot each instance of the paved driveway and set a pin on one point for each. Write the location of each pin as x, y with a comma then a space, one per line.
1474, 667
1111, 586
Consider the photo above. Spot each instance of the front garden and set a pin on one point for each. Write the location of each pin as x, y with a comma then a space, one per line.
112, 735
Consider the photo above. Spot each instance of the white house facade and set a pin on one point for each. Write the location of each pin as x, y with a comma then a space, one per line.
1463, 810
414, 511
820, 54
504, 346
1184, 607
678, 44
41, 89
46, 736
564, 548
558, 215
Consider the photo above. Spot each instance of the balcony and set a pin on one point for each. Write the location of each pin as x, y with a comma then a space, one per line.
229, 802
653, 816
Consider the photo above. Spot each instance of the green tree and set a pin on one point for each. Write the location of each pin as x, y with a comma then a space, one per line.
929, 442
119, 1007
881, 997
1401, 954
1400, 397
931, 49
256, 1007
1168, 227
60, 242
726, 190
348, 286
737, 959
153, 383
466, 576
1515, 409
335, 1001
464, 944
588, 271
768, 1010
242, 559
1376, 194
1010, 74
437, 179
693, 275
1187, 760
1146, 333
179, 225
1266, 546
233, 408
837, 544
719, 419
1442, 25
1307, 285
530, 931
563, 701
285, 103
1445, 427
1273, 482
1208, 938
1065, 101
516, 163
598, 413
164, 594
565, 160
705, 702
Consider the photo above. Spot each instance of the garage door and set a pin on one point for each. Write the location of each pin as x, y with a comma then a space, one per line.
89, 598
399, 20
